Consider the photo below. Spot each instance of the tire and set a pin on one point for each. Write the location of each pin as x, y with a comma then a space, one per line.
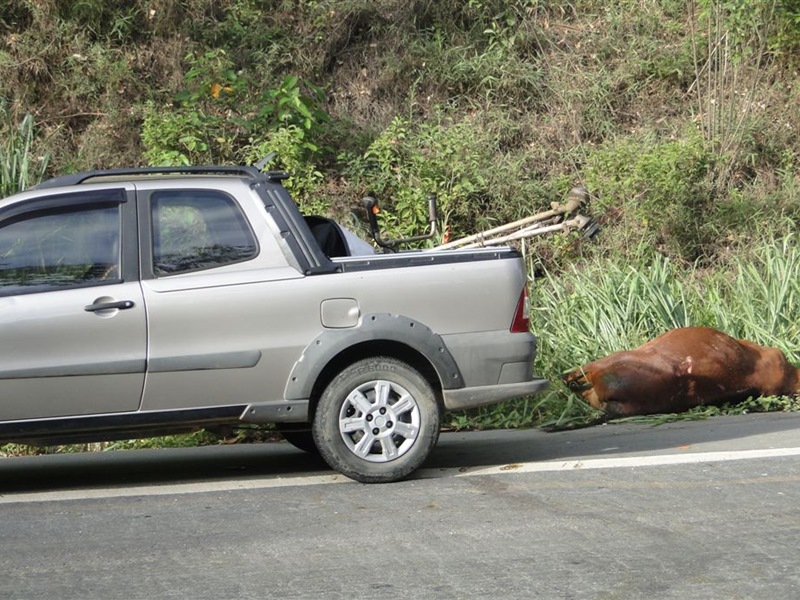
377, 421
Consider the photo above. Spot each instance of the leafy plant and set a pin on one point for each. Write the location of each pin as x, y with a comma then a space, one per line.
293, 154
218, 115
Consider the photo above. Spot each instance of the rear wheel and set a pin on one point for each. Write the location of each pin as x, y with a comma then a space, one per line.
377, 421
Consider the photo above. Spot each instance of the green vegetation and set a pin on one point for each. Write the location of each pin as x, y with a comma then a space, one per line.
679, 116
19, 166
198, 438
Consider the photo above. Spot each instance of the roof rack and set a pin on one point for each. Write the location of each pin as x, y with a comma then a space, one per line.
83, 177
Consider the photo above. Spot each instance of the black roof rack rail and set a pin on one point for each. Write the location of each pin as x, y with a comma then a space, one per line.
78, 178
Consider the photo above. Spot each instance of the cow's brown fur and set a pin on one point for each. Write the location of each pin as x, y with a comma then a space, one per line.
681, 369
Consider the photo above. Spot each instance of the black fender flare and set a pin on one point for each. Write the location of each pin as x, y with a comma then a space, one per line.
371, 327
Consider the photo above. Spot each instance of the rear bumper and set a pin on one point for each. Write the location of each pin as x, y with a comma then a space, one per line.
472, 397
496, 366
492, 357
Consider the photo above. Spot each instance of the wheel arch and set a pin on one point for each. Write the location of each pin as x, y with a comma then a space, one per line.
376, 335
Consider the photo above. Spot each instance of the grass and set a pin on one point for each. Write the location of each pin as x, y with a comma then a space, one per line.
19, 167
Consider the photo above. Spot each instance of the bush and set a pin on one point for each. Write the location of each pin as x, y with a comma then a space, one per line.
293, 154
478, 183
658, 193
219, 117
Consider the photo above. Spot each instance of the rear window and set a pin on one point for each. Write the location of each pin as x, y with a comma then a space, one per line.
196, 230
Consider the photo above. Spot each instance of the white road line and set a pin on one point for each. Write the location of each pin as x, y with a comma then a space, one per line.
230, 485
613, 463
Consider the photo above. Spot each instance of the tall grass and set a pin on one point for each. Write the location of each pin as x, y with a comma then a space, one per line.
758, 296
605, 306
730, 57
19, 168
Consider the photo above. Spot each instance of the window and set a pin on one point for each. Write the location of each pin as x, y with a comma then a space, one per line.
194, 230
58, 248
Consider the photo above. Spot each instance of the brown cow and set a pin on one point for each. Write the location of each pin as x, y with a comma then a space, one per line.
681, 369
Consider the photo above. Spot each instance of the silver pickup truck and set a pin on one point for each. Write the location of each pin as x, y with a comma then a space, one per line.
142, 302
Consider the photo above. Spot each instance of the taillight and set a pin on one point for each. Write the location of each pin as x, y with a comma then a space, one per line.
521, 322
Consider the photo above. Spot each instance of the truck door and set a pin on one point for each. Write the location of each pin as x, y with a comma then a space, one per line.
223, 317
72, 318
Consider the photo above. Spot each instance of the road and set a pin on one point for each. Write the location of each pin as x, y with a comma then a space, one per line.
704, 509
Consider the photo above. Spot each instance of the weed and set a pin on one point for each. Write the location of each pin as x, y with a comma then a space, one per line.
218, 115
657, 189
20, 168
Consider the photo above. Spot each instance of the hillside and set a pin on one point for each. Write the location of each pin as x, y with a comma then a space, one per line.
680, 116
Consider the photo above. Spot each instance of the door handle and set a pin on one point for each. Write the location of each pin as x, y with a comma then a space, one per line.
120, 305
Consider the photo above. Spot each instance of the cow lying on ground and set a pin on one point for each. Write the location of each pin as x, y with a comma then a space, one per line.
681, 369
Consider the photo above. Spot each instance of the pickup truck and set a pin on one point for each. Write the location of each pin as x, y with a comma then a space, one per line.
149, 301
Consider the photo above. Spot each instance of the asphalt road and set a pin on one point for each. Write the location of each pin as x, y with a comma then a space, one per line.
696, 510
